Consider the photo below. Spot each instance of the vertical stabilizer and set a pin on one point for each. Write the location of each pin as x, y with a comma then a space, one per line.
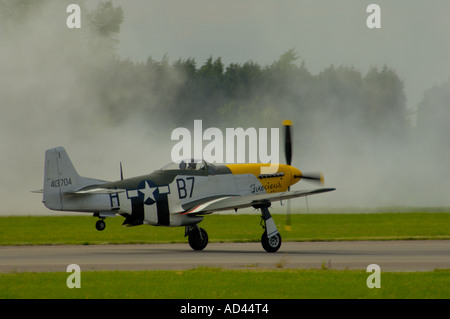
59, 176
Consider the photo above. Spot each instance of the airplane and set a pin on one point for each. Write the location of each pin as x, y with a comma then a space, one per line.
178, 194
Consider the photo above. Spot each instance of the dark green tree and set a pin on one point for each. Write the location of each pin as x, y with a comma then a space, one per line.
104, 27
385, 102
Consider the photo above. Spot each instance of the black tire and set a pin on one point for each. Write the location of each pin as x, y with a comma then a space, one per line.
271, 244
100, 225
198, 238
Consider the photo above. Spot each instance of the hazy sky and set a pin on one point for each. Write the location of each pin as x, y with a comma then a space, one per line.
413, 39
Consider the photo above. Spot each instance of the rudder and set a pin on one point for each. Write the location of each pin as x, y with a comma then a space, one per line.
59, 176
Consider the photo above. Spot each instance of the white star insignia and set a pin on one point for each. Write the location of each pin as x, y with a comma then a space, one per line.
148, 192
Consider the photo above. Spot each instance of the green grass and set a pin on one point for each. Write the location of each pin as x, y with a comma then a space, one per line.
220, 283
45, 230
212, 283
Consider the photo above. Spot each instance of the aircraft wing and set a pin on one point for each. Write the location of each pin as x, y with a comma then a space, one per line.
236, 202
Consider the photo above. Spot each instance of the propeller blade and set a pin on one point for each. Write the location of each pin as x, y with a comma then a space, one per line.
287, 141
288, 155
288, 226
121, 172
315, 177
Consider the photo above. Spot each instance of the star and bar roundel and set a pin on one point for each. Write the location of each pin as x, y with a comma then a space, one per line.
148, 192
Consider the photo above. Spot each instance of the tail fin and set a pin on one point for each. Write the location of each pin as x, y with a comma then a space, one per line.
60, 177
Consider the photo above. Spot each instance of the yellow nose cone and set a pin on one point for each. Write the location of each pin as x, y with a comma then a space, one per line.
296, 175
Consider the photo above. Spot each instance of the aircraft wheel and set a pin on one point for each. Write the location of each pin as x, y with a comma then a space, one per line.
271, 244
100, 225
198, 238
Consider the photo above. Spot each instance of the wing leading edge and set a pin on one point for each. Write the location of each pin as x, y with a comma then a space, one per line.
237, 202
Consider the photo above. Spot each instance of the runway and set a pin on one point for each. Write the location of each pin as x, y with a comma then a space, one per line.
414, 255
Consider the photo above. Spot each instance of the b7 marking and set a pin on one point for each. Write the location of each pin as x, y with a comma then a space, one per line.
183, 187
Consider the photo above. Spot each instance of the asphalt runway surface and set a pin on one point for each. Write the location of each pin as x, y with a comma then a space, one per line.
413, 255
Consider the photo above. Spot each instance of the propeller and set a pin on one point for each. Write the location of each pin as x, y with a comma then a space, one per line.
288, 155
287, 141
121, 172
313, 177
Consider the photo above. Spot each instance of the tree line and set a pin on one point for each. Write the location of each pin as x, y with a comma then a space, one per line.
251, 95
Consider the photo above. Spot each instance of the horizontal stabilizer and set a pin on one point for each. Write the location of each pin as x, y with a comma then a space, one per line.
96, 190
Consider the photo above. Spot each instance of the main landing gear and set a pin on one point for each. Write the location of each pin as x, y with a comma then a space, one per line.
271, 238
197, 237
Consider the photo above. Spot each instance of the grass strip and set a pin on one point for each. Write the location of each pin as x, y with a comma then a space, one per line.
80, 230
212, 283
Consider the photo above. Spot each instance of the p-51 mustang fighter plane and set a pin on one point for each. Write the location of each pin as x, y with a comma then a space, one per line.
179, 194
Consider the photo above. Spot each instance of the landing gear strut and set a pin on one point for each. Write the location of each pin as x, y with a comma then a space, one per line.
197, 237
271, 238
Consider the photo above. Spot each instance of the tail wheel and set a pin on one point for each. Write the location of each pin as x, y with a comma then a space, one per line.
100, 225
198, 238
271, 244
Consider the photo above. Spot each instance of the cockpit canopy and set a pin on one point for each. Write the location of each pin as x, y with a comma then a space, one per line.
187, 164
